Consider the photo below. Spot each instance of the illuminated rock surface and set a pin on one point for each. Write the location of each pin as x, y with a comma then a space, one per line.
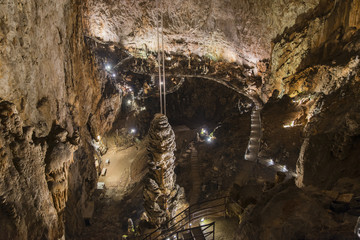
75, 71
162, 197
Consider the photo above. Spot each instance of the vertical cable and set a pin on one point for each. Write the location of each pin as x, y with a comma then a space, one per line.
159, 57
163, 55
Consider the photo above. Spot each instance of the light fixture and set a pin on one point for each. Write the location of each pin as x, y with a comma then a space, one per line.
133, 130
129, 102
208, 139
98, 137
190, 224
202, 219
203, 131
284, 168
270, 162
114, 75
108, 67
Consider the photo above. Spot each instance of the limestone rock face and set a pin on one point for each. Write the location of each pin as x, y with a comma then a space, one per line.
233, 30
26, 209
161, 195
48, 78
317, 60
331, 143
287, 212
325, 36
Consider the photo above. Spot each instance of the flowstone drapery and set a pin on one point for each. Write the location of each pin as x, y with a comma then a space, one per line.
162, 197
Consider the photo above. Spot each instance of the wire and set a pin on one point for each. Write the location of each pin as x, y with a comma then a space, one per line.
163, 55
159, 54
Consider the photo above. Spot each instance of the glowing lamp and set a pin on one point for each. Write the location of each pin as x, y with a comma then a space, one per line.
271, 162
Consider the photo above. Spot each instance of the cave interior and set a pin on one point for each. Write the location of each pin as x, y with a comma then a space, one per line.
182, 119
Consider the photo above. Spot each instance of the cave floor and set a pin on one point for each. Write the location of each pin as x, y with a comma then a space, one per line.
118, 176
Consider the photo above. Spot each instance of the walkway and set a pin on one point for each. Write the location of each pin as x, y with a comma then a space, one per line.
253, 147
195, 175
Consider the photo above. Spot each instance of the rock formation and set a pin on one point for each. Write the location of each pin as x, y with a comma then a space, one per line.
48, 76
163, 198
232, 30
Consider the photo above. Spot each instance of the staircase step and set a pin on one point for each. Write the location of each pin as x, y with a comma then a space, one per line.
198, 234
187, 236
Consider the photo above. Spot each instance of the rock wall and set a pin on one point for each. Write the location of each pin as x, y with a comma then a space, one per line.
316, 48
316, 63
50, 88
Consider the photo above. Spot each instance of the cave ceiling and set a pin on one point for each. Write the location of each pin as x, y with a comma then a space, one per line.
233, 30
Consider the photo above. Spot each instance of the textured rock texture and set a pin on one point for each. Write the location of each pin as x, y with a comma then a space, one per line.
27, 209
50, 88
287, 212
162, 197
316, 62
231, 29
326, 36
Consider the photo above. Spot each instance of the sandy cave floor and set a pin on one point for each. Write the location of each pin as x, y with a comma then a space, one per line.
122, 197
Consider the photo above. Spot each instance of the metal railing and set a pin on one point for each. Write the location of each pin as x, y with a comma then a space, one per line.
182, 221
205, 230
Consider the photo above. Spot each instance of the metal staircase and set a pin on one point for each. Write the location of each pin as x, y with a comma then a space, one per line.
183, 225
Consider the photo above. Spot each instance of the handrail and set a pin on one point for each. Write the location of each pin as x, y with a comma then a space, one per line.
202, 227
188, 214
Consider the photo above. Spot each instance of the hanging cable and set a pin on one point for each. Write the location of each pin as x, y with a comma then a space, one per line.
159, 54
163, 54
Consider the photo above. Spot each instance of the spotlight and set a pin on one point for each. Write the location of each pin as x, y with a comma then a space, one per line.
270, 162
203, 131
114, 75
203, 219
190, 224
209, 139
133, 130
284, 169
98, 137
108, 67
129, 102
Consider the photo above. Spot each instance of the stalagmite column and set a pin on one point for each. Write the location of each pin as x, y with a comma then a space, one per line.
162, 197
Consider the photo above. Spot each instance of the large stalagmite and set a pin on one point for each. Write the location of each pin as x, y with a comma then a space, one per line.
163, 198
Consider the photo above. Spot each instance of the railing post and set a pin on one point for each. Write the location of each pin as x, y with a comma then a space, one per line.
214, 231
189, 217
